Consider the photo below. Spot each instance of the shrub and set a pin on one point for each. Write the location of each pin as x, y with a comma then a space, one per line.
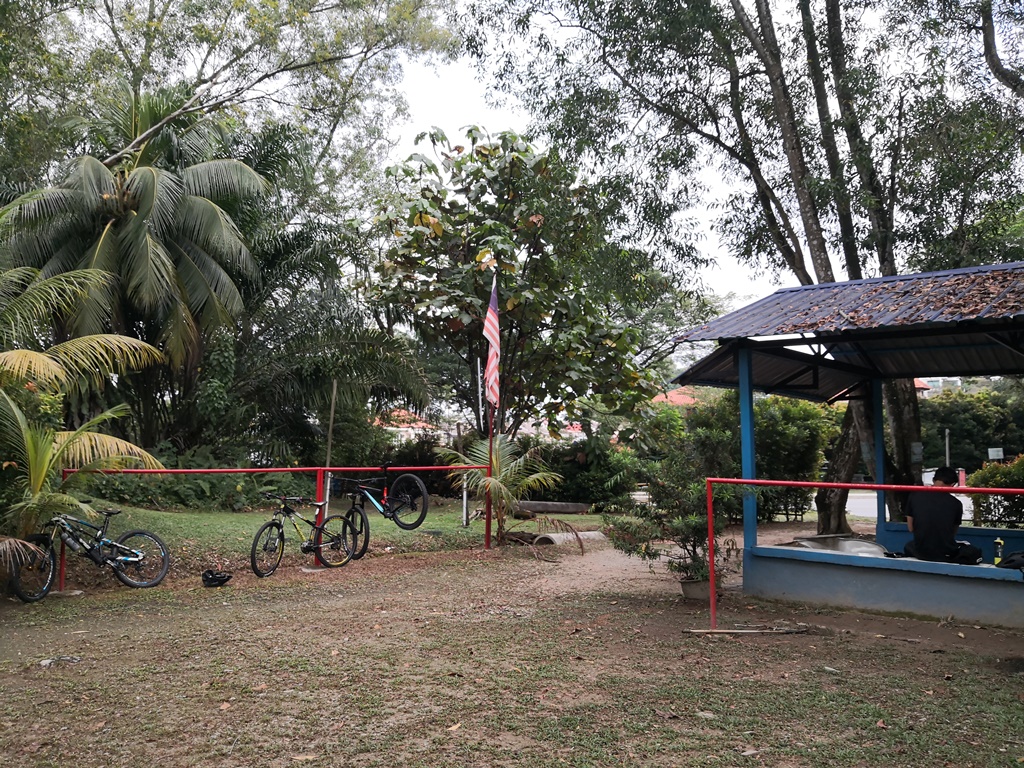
593, 471
999, 511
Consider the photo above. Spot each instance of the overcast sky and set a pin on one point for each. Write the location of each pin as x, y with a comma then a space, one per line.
450, 98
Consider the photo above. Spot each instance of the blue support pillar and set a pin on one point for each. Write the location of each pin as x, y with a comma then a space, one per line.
878, 417
749, 471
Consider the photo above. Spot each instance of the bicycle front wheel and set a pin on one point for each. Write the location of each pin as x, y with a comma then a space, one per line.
267, 548
33, 572
408, 501
335, 541
361, 528
147, 563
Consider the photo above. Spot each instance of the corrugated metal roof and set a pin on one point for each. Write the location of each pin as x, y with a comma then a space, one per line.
823, 342
976, 294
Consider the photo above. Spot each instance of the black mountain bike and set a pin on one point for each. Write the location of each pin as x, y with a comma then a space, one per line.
333, 541
137, 558
405, 501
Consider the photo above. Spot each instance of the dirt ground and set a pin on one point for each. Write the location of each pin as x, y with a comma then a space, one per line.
489, 658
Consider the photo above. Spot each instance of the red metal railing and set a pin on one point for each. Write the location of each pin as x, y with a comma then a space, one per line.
321, 473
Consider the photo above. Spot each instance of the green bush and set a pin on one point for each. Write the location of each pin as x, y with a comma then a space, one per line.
790, 437
999, 511
593, 471
422, 452
223, 491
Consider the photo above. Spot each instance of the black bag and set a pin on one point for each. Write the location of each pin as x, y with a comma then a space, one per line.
1012, 560
966, 554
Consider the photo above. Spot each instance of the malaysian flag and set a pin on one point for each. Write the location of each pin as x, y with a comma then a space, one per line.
493, 336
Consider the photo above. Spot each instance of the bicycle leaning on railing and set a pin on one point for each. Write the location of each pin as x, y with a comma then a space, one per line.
138, 558
405, 501
332, 541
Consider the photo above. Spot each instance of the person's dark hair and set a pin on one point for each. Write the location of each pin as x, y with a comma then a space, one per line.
946, 475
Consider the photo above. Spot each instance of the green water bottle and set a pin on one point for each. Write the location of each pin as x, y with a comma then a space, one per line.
999, 551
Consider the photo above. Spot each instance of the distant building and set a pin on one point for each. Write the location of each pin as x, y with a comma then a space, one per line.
682, 397
405, 425
938, 384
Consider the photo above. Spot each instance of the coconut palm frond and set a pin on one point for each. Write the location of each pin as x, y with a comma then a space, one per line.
206, 224
99, 355
91, 450
13, 426
93, 180
224, 179
155, 195
34, 366
212, 295
26, 301
14, 551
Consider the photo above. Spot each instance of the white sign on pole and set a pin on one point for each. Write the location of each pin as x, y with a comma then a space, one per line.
995, 454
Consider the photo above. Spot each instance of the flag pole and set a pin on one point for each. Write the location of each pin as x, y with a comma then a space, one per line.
492, 334
490, 464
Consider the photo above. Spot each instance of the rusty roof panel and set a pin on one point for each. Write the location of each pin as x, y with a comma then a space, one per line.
972, 294
823, 342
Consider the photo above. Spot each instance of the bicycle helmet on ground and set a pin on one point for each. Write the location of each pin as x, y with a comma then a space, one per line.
213, 578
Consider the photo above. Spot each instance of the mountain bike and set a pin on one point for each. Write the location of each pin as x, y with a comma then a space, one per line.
138, 558
332, 541
405, 501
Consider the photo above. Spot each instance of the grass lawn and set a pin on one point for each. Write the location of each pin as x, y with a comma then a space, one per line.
222, 540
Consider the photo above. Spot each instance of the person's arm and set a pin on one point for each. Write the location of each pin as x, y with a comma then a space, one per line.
910, 523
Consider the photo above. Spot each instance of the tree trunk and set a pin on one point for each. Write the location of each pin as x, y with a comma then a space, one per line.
767, 48
840, 193
831, 502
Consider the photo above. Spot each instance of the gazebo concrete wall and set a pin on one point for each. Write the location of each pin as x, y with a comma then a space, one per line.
980, 594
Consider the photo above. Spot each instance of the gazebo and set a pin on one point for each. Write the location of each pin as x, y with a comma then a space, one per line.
840, 341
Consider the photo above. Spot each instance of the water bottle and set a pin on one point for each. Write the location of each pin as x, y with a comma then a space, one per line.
66, 538
999, 551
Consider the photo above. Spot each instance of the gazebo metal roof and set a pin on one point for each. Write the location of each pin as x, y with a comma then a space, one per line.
825, 342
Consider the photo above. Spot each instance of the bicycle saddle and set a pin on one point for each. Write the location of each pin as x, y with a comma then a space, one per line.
213, 578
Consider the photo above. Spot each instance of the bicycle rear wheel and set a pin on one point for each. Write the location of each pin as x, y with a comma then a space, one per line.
361, 528
267, 548
408, 501
32, 576
150, 569
335, 541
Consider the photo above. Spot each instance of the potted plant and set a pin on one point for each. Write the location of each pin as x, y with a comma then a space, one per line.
651, 532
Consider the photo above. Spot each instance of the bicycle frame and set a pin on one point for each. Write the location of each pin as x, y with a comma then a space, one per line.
84, 542
287, 512
363, 492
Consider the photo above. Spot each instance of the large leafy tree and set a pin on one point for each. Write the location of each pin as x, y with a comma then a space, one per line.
820, 120
563, 274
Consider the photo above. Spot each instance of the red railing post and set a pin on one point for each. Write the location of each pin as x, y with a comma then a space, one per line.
711, 554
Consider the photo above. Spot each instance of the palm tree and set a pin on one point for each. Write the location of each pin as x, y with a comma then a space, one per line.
513, 476
37, 453
158, 221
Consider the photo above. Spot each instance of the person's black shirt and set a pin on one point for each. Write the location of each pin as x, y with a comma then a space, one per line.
937, 517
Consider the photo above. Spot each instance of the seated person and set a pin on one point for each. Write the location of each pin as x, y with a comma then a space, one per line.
934, 518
